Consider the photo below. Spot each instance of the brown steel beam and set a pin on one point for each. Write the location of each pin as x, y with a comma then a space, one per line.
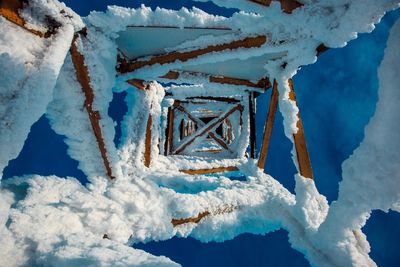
9, 9
216, 98
269, 123
169, 132
83, 77
264, 83
252, 120
125, 66
147, 142
139, 84
321, 49
303, 157
212, 170
207, 129
287, 5
175, 27
177, 222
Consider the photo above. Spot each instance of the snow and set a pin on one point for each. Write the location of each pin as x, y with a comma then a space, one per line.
30, 67
53, 221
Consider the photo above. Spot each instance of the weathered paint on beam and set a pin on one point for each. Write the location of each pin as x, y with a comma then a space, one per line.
211, 170
269, 123
262, 84
303, 157
82, 75
130, 66
287, 5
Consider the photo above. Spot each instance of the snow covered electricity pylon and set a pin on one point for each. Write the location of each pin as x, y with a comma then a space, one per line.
186, 163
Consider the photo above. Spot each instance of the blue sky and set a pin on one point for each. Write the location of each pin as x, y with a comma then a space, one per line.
336, 96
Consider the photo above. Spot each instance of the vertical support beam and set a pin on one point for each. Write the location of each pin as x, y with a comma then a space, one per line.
82, 75
169, 132
269, 123
147, 142
252, 119
303, 158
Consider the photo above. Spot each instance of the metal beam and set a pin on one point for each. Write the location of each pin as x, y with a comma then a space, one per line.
126, 66
83, 77
269, 123
303, 158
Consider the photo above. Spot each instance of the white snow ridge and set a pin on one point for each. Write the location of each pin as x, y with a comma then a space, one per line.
189, 113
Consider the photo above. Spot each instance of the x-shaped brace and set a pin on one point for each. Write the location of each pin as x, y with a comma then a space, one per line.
205, 128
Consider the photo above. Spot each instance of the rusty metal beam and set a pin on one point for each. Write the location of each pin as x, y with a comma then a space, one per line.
139, 84
252, 121
177, 222
269, 123
303, 158
125, 66
215, 98
287, 5
9, 9
263, 83
211, 170
83, 77
147, 142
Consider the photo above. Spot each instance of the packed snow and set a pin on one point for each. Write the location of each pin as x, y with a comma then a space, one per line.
54, 221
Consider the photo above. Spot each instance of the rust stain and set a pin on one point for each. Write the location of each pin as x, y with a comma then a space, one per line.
212, 170
249, 42
287, 5
82, 75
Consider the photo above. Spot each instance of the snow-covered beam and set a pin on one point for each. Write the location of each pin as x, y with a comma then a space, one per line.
10, 9
210, 170
263, 83
269, 123
126, 66
83, 77
303, 158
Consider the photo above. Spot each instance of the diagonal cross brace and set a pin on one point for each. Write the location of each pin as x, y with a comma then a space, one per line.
201, 124
207, 128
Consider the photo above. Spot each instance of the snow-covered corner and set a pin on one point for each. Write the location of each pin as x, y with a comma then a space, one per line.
30, 67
